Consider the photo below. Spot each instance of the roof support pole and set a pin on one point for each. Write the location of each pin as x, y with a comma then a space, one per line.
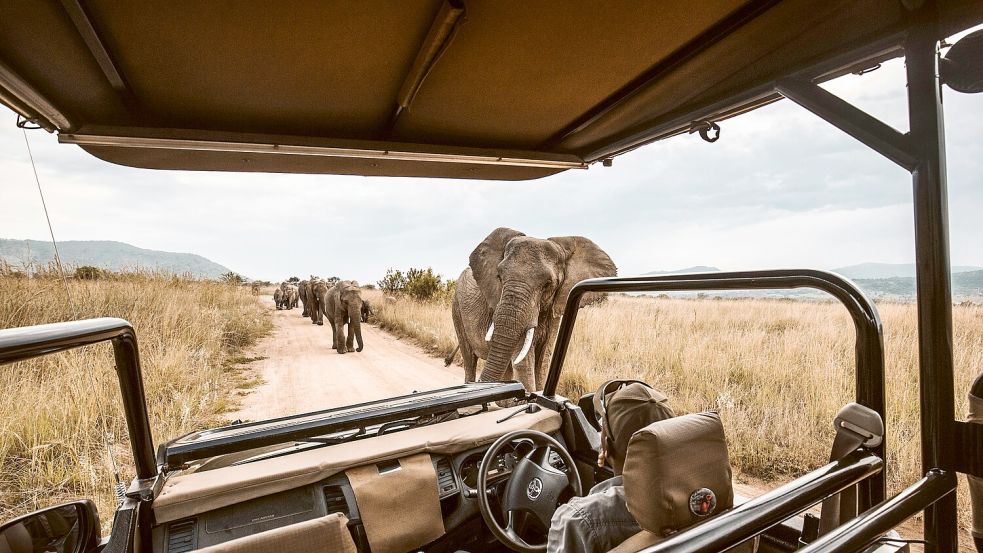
934, 297
877, 135
83, 23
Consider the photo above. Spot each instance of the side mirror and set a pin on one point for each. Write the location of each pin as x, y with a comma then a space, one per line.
69, 528
962, 66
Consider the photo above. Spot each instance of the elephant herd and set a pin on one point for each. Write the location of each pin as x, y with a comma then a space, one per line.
506, 307
338, 301
286, 296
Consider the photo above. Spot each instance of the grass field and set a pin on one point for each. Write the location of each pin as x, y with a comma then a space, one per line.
54, 410
776, 370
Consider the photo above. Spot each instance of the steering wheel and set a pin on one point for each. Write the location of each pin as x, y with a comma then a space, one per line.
533, 487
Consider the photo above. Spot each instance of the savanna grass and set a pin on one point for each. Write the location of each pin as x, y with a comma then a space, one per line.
56, 411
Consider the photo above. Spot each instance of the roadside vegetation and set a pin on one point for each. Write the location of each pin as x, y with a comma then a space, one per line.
777, 370
59, 412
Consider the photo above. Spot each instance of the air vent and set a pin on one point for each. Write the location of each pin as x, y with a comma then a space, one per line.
334, 500
446, 485
182, 536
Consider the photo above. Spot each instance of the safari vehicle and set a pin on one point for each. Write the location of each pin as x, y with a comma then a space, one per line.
474, 89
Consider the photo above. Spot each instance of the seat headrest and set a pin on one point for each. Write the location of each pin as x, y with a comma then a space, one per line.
677, 473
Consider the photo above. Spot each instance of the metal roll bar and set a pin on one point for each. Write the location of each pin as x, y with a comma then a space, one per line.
867, 324
871, 526
19, 344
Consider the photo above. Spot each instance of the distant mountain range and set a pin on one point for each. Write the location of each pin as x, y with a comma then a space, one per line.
107, 254
891, 270
879, 280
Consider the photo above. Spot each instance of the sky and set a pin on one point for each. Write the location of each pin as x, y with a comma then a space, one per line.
781, 188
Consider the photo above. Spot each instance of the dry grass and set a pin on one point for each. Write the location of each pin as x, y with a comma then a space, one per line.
53, 409
776, 370
427, 324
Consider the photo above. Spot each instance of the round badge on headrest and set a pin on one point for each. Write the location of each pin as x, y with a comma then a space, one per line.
702, 502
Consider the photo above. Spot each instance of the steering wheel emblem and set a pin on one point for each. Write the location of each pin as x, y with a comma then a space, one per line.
534, 488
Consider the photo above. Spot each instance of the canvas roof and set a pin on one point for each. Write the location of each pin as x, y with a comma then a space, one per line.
483, 89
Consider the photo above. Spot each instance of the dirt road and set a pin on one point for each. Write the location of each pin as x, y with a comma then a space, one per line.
301, 372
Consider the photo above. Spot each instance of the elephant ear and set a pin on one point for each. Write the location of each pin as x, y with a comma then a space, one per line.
585, 259
484, 262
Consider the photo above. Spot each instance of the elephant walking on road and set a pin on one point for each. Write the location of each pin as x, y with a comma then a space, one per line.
317, 296
509, 301
292, 297
366, 311
303, 291
278, 298
344, 306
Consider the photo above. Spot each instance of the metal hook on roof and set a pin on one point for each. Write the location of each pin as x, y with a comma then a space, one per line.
866, 70
705, 128
28, 124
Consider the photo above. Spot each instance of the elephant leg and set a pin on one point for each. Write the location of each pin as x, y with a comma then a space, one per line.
334, 335
470, 361
525, 374
545, 354
350, 341
339, 336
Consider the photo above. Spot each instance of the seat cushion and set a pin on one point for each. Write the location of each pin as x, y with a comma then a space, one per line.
677, 473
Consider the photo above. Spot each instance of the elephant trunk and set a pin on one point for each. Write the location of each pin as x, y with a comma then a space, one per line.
355, 325
512, 324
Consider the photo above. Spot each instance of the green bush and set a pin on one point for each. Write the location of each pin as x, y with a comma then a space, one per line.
393, 283
423, 284
88, 272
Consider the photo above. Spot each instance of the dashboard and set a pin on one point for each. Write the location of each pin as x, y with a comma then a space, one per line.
457, 478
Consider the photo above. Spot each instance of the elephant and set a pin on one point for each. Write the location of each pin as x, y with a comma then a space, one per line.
278, 298
366, 311
344, 305
317, 295
509, 301
303, 291
292, 297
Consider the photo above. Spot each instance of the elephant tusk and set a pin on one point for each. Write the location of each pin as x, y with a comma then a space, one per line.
525, 346
491, 330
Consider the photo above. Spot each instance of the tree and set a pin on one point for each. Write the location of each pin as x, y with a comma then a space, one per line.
293, 279
232, 278
88, 272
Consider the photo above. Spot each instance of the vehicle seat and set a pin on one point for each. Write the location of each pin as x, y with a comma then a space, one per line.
329, 534
677, 473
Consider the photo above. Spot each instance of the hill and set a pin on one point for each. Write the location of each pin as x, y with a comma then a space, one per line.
967, 282
108, 254
891, 270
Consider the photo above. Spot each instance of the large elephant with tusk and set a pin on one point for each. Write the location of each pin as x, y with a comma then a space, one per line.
508, 302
